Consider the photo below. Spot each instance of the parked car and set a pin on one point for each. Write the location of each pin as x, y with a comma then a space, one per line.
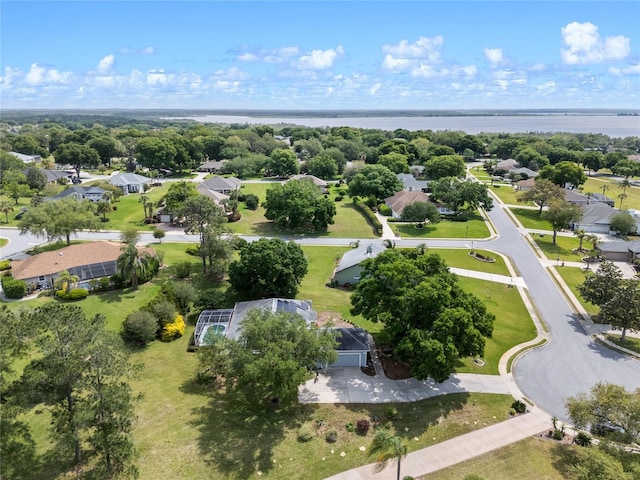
76, 180
21, 213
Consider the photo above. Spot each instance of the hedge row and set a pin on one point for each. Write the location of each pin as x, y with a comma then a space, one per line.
74, 294
369, 215
13, 288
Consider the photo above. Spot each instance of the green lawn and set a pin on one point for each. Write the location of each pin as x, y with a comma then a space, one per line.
595, 184
529, 218
349, 223
22, 202
506, 193
573, 277
129, 210
474, 228
480, 173
563, 248
460, 258
630, 343
530, 459
3, 242
513, 324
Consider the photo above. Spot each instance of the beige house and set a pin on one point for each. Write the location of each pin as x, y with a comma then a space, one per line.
85, 260
400, 200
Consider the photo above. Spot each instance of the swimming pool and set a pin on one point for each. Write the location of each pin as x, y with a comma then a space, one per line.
212, 332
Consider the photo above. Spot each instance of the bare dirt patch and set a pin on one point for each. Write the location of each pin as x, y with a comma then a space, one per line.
332, 317
393, 369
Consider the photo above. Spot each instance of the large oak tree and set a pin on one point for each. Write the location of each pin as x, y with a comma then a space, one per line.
429, 321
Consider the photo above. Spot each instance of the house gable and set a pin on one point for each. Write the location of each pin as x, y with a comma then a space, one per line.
400, 200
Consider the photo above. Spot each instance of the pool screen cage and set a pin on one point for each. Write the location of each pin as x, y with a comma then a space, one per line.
208, 318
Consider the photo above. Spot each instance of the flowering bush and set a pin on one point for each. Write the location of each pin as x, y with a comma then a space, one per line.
173, 330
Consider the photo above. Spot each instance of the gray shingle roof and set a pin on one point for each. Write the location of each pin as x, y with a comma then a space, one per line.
357, 255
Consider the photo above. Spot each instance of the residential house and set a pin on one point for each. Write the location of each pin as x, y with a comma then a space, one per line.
505, 165
526, 185
411, 184
400, 200
596, 218
575, 197
225, 185
54, 175
348, 270
324, 186
129, 182
352, 346
26, 158
211, 166
523, 172
85, 260
620, 250
93, 194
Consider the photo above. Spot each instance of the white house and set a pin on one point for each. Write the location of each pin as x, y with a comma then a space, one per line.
93, 194
129, 182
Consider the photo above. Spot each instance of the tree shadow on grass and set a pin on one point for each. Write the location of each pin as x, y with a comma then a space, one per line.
236, 438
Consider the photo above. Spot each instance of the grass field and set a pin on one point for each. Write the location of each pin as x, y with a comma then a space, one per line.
460, 258
529, 218
631, 343
3, 242
348, 222
474, 228
530, 459
129, 210
563, 248
613, 189
506, 193
513, 324
573, 277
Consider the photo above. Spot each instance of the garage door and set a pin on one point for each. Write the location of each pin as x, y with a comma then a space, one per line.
348, 360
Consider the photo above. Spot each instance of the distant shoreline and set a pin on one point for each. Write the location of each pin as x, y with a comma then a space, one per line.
347, 113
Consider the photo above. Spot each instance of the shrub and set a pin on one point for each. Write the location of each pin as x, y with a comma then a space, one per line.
349, 426
252, 201
384, 210
211, 299
519, 406
5, 265
239, 243
139, 327
14, 288
193, 250
362, 427
331, 437
305, 432
78, 294
173, 330
183, 293
242, 197
182, 269
511, 412
114, 207
117, 280
338, 198
392, 412
583, 439
104, 283
163, 311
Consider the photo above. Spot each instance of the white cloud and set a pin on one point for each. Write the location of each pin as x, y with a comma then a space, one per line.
157, 77
319, 59
429, 71
585, 46
395, 64
233, 73
494, 55
106, 63
137, 51
422, 49
226, 86
630, 70
375, 88
538, 67
41, 76
278, 55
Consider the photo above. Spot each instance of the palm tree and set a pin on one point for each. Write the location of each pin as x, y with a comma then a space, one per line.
108, 196
622, 196
131, 264
66, 280
6, 207
387, 448
102, 208
144, 200
580, 233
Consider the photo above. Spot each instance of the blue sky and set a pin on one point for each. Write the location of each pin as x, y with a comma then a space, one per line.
320, 55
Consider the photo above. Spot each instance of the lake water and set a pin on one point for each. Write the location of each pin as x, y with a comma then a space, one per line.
612, 125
